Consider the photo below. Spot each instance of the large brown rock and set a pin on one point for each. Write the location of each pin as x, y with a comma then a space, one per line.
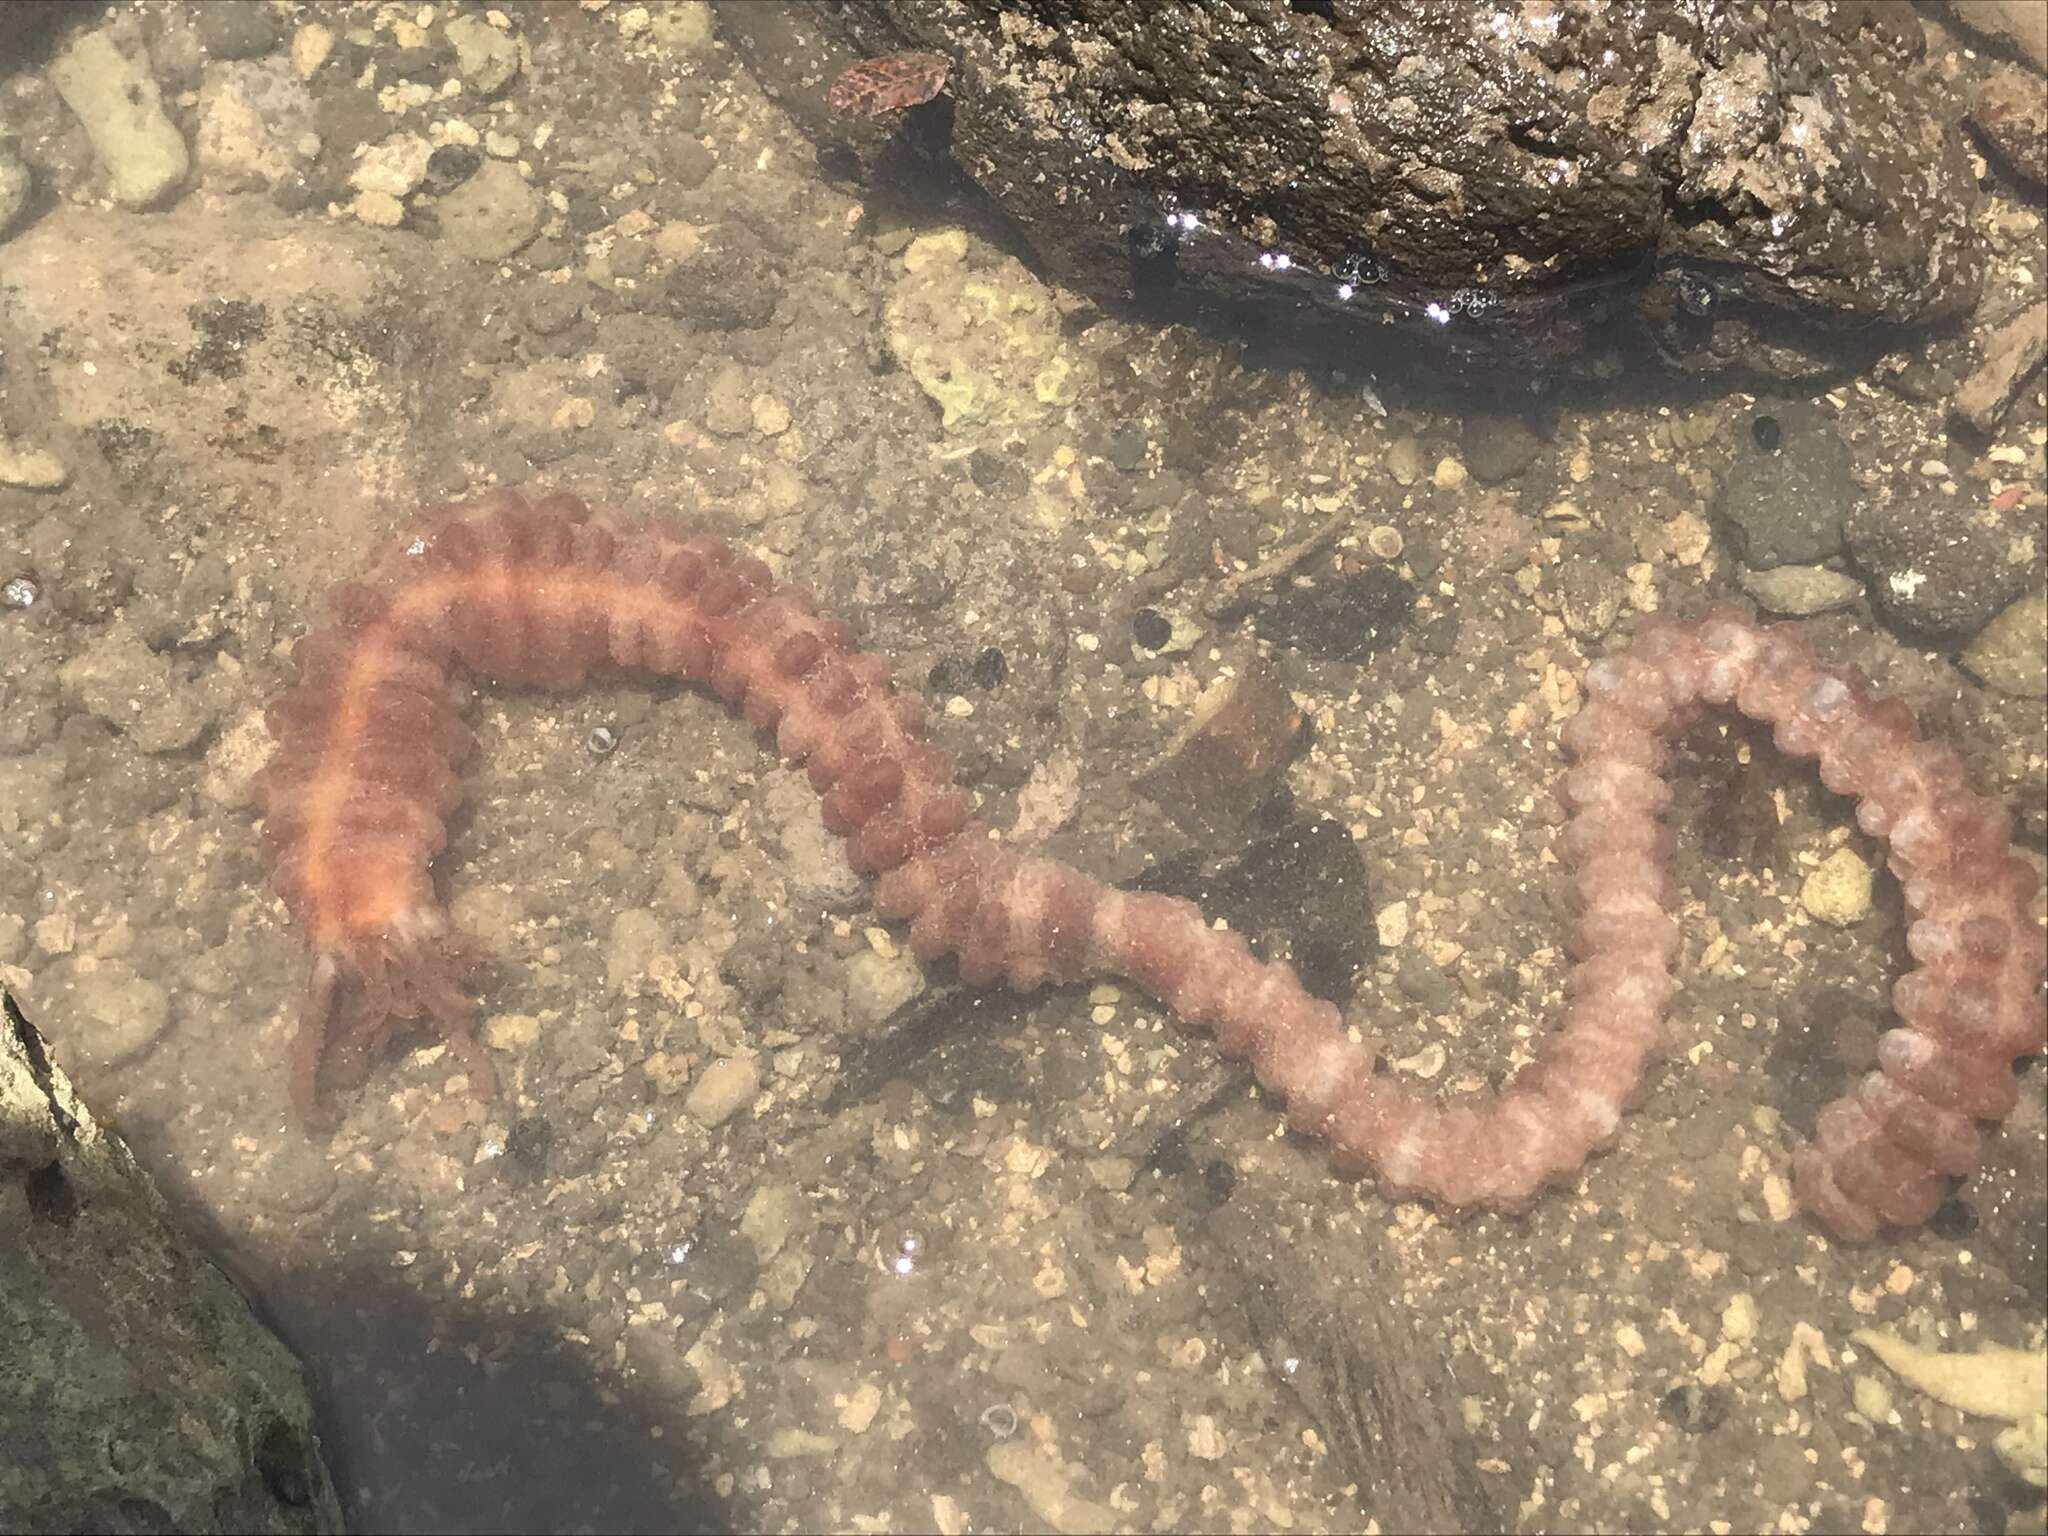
1550, 186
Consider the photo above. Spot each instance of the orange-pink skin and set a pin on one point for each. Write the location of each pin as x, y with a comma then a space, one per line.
540, 594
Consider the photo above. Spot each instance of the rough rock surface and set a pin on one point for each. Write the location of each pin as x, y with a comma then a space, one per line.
137, 1391
1752, 184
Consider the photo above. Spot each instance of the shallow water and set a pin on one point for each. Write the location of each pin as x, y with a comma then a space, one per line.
772, 1228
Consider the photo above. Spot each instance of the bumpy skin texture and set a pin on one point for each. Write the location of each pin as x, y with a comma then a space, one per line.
539, 594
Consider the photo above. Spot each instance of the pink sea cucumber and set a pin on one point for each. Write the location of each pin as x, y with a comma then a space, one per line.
539, 593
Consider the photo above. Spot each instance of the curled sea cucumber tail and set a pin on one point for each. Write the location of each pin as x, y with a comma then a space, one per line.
359, 997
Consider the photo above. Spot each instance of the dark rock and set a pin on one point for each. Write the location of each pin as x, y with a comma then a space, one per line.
1695, 1409
1498, 448
728, 284
1752, 184
1346, 619
689, 162
139, 1392
1784, 505
450, 166
1935, 568
1150, 628
236, 31
1126, 447
1296, 892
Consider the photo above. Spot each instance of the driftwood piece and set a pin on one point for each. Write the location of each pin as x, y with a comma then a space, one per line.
1380, 1392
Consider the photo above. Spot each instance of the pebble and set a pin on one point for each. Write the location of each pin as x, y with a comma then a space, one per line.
1591, 598
104, 78
1404, 460
1799, 591
2011, 652
513, 1032
491, 215
726, 1087
1392, 923
877, 986
396, 166
637, 937
485, 58
1838, 893
117, 1014
769, 1218
31, 469
1449, 474
311, 45
728, 410
771, 416
813, 860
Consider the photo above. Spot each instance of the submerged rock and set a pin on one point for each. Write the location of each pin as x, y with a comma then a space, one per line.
1749, 184
140, 1392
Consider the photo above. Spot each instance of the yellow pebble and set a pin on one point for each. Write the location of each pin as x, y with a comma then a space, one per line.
1838, 893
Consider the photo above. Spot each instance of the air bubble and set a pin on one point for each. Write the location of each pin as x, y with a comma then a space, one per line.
19, 592
602, 741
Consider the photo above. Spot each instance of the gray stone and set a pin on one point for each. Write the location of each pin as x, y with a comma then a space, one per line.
1742, 186
1785, 506
104, 78
491, 215
139, 1391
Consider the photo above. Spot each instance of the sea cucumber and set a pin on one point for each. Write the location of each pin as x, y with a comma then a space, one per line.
539, 593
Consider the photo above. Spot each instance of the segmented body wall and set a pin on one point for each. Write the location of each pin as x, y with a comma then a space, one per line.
537, 594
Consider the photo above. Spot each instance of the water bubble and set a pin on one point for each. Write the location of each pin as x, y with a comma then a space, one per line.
899, 1252
19, 592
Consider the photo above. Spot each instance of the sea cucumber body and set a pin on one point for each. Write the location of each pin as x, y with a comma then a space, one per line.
369, 741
